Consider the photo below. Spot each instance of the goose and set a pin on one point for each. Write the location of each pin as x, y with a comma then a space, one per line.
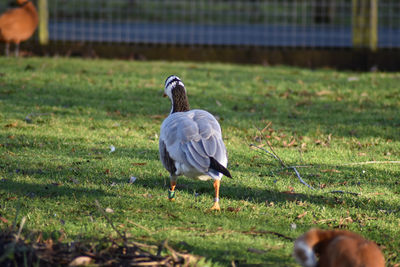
18, 25
191, 142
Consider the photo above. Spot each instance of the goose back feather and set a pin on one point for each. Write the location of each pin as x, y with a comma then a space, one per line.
187, 142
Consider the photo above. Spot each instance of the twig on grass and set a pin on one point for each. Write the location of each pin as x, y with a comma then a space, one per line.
300, 179
20, 228
270, 153
140, 226
294, 168
283, 164
109, 221
275, 155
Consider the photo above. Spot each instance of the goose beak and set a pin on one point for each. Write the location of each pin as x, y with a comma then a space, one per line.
164, 95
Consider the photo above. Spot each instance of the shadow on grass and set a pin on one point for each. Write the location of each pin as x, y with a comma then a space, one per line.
51, 190
85, 166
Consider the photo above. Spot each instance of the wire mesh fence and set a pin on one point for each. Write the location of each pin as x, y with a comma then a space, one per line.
277, 23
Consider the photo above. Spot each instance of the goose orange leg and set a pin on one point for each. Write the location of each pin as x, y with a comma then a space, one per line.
216, 200
171, 191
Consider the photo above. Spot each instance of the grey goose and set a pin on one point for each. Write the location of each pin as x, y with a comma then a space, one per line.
191, 142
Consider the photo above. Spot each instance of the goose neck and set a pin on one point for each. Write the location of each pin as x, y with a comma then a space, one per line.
180, 102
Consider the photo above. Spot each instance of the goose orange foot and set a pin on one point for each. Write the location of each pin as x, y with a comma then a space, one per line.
215, 207
171, 195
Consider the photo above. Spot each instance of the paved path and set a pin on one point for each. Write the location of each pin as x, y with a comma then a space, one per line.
196, 34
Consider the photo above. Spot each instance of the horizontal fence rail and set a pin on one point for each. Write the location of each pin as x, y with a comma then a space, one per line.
267, 23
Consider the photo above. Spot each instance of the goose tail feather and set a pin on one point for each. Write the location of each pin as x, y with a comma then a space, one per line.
215, 165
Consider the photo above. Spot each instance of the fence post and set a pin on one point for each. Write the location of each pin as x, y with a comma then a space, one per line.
43, 22
365, 24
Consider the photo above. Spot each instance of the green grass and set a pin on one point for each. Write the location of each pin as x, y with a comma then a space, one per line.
59, 117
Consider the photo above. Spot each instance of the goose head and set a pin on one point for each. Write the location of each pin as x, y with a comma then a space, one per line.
176, 91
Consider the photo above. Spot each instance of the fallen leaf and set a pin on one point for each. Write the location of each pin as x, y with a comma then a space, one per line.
292, 143
345, 220
232, 209
10, 125
301, 203
4, 220
80, 261
218, 103
303, 146
266, 127
109, 210
269, 204
302, 215
324, 92
139, 163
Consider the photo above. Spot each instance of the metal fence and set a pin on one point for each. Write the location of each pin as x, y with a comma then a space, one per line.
277, 23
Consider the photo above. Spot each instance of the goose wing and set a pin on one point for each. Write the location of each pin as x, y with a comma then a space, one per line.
192, 138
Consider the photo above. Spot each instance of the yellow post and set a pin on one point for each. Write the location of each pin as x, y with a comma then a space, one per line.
365, 24
43, 22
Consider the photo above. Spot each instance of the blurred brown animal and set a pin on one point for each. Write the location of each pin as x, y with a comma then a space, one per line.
18, 24
336, 248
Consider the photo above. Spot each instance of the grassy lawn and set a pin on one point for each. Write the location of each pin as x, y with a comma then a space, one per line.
59, 117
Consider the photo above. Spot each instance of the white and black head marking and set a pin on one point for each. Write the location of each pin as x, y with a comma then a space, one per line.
170, 83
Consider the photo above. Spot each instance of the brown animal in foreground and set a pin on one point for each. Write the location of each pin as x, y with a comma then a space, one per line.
336, 248
18, 24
